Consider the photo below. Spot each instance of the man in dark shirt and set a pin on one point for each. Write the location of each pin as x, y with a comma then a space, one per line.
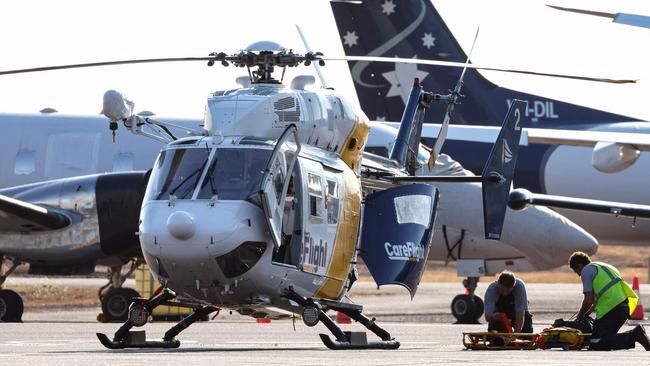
507, 295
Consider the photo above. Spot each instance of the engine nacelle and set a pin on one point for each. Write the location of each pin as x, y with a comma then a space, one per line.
104, 210
611, 157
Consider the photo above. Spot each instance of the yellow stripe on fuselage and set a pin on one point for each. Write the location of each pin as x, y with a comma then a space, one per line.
348, 227
355, 142
346, 239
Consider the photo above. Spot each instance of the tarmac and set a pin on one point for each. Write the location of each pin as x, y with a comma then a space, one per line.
423, 326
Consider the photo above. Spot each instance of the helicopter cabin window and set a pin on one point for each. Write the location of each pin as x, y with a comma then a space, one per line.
235, 174
315, 197
332, 202
177, 172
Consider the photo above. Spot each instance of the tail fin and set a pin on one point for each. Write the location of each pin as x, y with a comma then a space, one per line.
499, 171
406, 147
415, 29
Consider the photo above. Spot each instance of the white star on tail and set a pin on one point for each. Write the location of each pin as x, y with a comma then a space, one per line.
388, 7
401, 79
428, 40
350, 39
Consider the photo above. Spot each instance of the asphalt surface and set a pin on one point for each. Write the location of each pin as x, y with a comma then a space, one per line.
67, 336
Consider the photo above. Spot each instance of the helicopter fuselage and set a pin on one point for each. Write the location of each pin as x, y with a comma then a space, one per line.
233, 220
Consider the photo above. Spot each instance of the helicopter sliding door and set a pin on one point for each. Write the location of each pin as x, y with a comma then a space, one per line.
275, 181
397, 230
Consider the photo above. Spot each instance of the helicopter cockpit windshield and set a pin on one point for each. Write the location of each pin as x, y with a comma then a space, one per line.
198, 172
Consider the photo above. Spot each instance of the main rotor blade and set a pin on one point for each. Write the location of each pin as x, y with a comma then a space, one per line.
105, 63
442, 134
473, 66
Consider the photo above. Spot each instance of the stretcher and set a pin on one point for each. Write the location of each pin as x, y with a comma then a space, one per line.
554, 337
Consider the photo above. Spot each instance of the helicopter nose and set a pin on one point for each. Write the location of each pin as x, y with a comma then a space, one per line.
546, 237
180, 225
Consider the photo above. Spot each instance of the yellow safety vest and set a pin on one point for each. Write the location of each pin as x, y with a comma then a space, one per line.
610, 290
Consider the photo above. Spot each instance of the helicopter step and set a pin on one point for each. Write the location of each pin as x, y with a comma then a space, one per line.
314, 311
138, 316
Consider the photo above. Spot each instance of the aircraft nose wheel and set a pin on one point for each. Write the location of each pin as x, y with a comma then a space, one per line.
115, 304
467, 309
11, 306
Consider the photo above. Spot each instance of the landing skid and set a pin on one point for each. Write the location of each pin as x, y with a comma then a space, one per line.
138, 315
345, 340
135, 340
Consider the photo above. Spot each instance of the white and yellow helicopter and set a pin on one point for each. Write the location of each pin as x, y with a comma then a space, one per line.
270, 204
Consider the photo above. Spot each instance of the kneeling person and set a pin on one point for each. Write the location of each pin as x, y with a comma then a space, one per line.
507, 295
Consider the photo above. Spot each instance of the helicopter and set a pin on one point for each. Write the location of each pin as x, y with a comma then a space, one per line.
273, 201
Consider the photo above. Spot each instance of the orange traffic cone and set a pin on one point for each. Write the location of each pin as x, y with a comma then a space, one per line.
638, 313
342, 318
262, 320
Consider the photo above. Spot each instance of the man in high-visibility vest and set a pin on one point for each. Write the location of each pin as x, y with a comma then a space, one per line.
613, 300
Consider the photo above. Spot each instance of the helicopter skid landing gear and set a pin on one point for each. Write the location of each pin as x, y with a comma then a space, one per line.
138, 315
346, 340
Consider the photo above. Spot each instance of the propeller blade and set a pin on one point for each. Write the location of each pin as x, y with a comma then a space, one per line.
477, 67
105, 63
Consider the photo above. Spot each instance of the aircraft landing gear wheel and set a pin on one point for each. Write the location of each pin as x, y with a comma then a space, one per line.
11, 306
478, 309
116, 302
467, 309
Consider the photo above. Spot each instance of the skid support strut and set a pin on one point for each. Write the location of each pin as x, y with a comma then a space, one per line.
345, 340
138, 314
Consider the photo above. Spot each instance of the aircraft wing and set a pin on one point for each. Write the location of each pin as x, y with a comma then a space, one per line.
640, 141
21, 216
488, 134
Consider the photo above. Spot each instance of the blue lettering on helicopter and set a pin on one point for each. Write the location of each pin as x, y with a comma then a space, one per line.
538, 109
314, 253
406, 252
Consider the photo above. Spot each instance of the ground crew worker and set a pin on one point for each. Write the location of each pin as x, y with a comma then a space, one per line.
613, 300
507, 295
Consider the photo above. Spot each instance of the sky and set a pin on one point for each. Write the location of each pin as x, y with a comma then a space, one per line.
513, 34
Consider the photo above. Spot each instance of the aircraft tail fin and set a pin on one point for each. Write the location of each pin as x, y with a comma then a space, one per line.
415, 29
407, 144
499, 171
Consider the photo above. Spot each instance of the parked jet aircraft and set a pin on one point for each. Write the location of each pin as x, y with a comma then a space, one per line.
46, 151
414, 29
283, 169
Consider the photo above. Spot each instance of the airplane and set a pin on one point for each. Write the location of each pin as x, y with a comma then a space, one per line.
45, 149
567, 144
262, 207
49, 148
